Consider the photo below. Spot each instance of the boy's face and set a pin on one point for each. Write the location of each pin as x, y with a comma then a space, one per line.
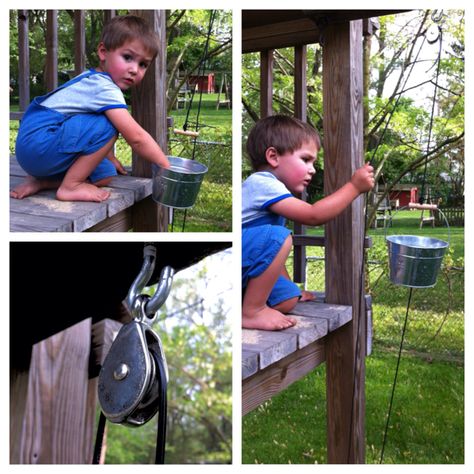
127, 64
296, 169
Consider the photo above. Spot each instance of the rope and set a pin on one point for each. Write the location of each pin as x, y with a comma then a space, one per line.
422, 194
362, 274
162, 410
396, 375
202, 63
99, 439
379, 141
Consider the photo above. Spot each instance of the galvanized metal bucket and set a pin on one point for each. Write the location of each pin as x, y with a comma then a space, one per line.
178, 186
415, 261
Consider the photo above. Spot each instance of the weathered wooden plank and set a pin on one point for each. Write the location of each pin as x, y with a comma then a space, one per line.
119, 200
82, 215
271, 346
335, 315
125, 192
20, 222
55, 430
141, 187
314, 321
308, 330
268, 382
249, 363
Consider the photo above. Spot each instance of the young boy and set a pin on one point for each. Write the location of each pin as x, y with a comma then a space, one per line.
66, 138
282, 153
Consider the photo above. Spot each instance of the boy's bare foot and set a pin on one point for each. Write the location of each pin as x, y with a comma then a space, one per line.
81, 192
31, 186
268, 319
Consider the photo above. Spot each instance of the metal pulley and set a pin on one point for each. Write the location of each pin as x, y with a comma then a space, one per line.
129, 385
134, 376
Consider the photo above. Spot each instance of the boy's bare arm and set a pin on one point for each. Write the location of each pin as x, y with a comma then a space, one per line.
329, 207
138, 138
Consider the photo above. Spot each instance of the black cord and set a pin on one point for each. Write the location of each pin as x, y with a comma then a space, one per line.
185, 126
99, 439
357, 344
396, 376
162, 410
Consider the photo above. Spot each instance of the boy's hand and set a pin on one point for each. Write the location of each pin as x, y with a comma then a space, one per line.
118, 166
363, 179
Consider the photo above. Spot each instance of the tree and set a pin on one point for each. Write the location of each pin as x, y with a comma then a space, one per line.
397, 112
187, 34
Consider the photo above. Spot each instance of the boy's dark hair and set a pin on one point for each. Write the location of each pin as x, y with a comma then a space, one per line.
282, 132
121, 29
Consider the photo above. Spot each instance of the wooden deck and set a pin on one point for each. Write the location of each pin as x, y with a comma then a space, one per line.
44, 213
272, 360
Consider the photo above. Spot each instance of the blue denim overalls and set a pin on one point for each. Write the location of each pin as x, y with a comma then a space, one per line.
49, 142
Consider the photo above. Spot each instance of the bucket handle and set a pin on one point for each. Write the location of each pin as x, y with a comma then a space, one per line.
422, 207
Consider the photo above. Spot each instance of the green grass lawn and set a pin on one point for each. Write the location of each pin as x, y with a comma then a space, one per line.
212, 211
427, 420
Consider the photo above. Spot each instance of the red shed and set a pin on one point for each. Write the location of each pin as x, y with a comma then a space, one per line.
404, 193
205, 83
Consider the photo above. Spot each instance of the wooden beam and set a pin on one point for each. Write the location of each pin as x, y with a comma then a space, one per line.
263, 385
149, 109
23, 60
266, 83
262, 29
51, 50
300, 100
79, 42
281, 35
343, 140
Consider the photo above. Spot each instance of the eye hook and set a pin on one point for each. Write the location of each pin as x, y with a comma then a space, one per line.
141, 305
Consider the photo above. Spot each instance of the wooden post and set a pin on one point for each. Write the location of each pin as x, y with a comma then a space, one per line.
79, 42
149, 109
51, 50
54, 427
299, 255
343, 141
53, 403
266, 83
23, 60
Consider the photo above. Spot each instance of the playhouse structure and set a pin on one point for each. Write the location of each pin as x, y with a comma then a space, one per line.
335, 329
